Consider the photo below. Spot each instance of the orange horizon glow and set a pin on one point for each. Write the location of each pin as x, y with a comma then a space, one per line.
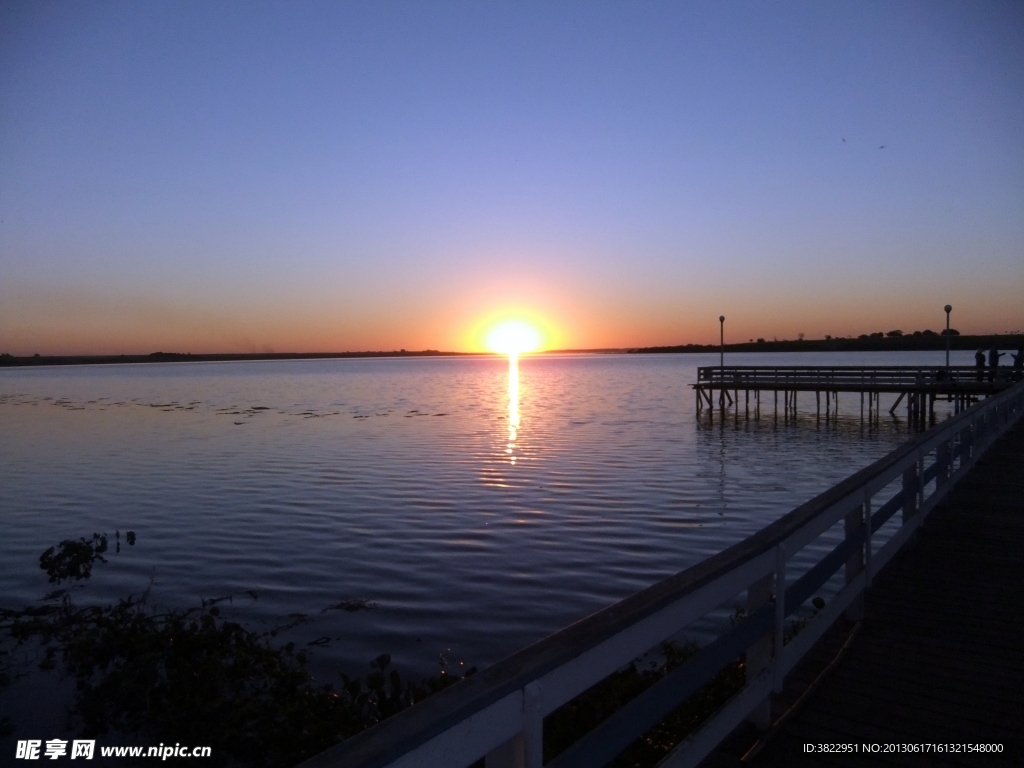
76, 323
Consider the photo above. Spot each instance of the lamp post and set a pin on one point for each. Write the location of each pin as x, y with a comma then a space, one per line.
721, 342
948, 308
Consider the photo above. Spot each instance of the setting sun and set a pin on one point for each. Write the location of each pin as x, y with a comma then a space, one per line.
513, 337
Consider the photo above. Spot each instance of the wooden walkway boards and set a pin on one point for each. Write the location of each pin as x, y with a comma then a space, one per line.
939, 656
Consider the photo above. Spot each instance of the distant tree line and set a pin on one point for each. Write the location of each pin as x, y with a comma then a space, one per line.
899, 334
879, 341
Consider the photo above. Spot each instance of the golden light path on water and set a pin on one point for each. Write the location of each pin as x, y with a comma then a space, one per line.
513, 338
513, 406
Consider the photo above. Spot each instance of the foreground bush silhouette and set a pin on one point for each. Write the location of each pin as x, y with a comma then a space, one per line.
193, 677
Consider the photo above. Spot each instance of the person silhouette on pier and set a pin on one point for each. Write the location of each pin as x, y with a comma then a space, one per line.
1018, 364
979, 364
993, 362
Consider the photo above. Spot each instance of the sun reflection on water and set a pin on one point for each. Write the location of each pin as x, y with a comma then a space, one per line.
513, 406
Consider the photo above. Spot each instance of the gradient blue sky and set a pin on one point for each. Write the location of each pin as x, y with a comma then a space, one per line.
204, 176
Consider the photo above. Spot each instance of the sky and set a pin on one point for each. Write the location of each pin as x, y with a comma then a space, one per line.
339, 176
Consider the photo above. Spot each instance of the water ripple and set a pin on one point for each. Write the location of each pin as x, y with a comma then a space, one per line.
475, 527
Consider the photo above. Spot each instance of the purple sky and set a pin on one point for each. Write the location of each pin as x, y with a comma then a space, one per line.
203, 176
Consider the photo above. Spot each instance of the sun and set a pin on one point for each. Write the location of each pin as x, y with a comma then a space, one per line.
513, 337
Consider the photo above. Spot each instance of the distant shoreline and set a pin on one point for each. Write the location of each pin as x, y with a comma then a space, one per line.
184, 357
908, 343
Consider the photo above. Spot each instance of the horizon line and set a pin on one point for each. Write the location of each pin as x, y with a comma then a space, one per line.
907, 342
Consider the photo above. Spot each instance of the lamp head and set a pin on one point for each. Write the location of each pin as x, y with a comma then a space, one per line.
721, 318
948, 308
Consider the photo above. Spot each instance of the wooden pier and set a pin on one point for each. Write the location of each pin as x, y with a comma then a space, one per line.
919, 386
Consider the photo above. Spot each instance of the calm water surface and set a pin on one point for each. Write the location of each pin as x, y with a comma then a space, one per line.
479, 517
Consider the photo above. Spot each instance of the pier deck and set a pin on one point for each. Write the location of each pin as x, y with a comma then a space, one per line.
938, 657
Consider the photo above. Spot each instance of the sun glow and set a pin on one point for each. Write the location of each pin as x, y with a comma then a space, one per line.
513, 337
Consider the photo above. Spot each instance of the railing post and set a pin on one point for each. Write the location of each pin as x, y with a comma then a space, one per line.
967, 456
511, 754
533, 725
759, 655
867, 538
780, 612
944, 457
920, 479
526, 748
854, 523
910, 493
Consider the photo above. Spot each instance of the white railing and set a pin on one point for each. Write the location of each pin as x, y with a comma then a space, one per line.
498, 714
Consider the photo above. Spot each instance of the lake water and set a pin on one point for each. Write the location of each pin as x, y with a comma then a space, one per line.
475, 524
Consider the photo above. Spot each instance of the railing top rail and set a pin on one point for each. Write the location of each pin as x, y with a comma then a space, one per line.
412, 727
